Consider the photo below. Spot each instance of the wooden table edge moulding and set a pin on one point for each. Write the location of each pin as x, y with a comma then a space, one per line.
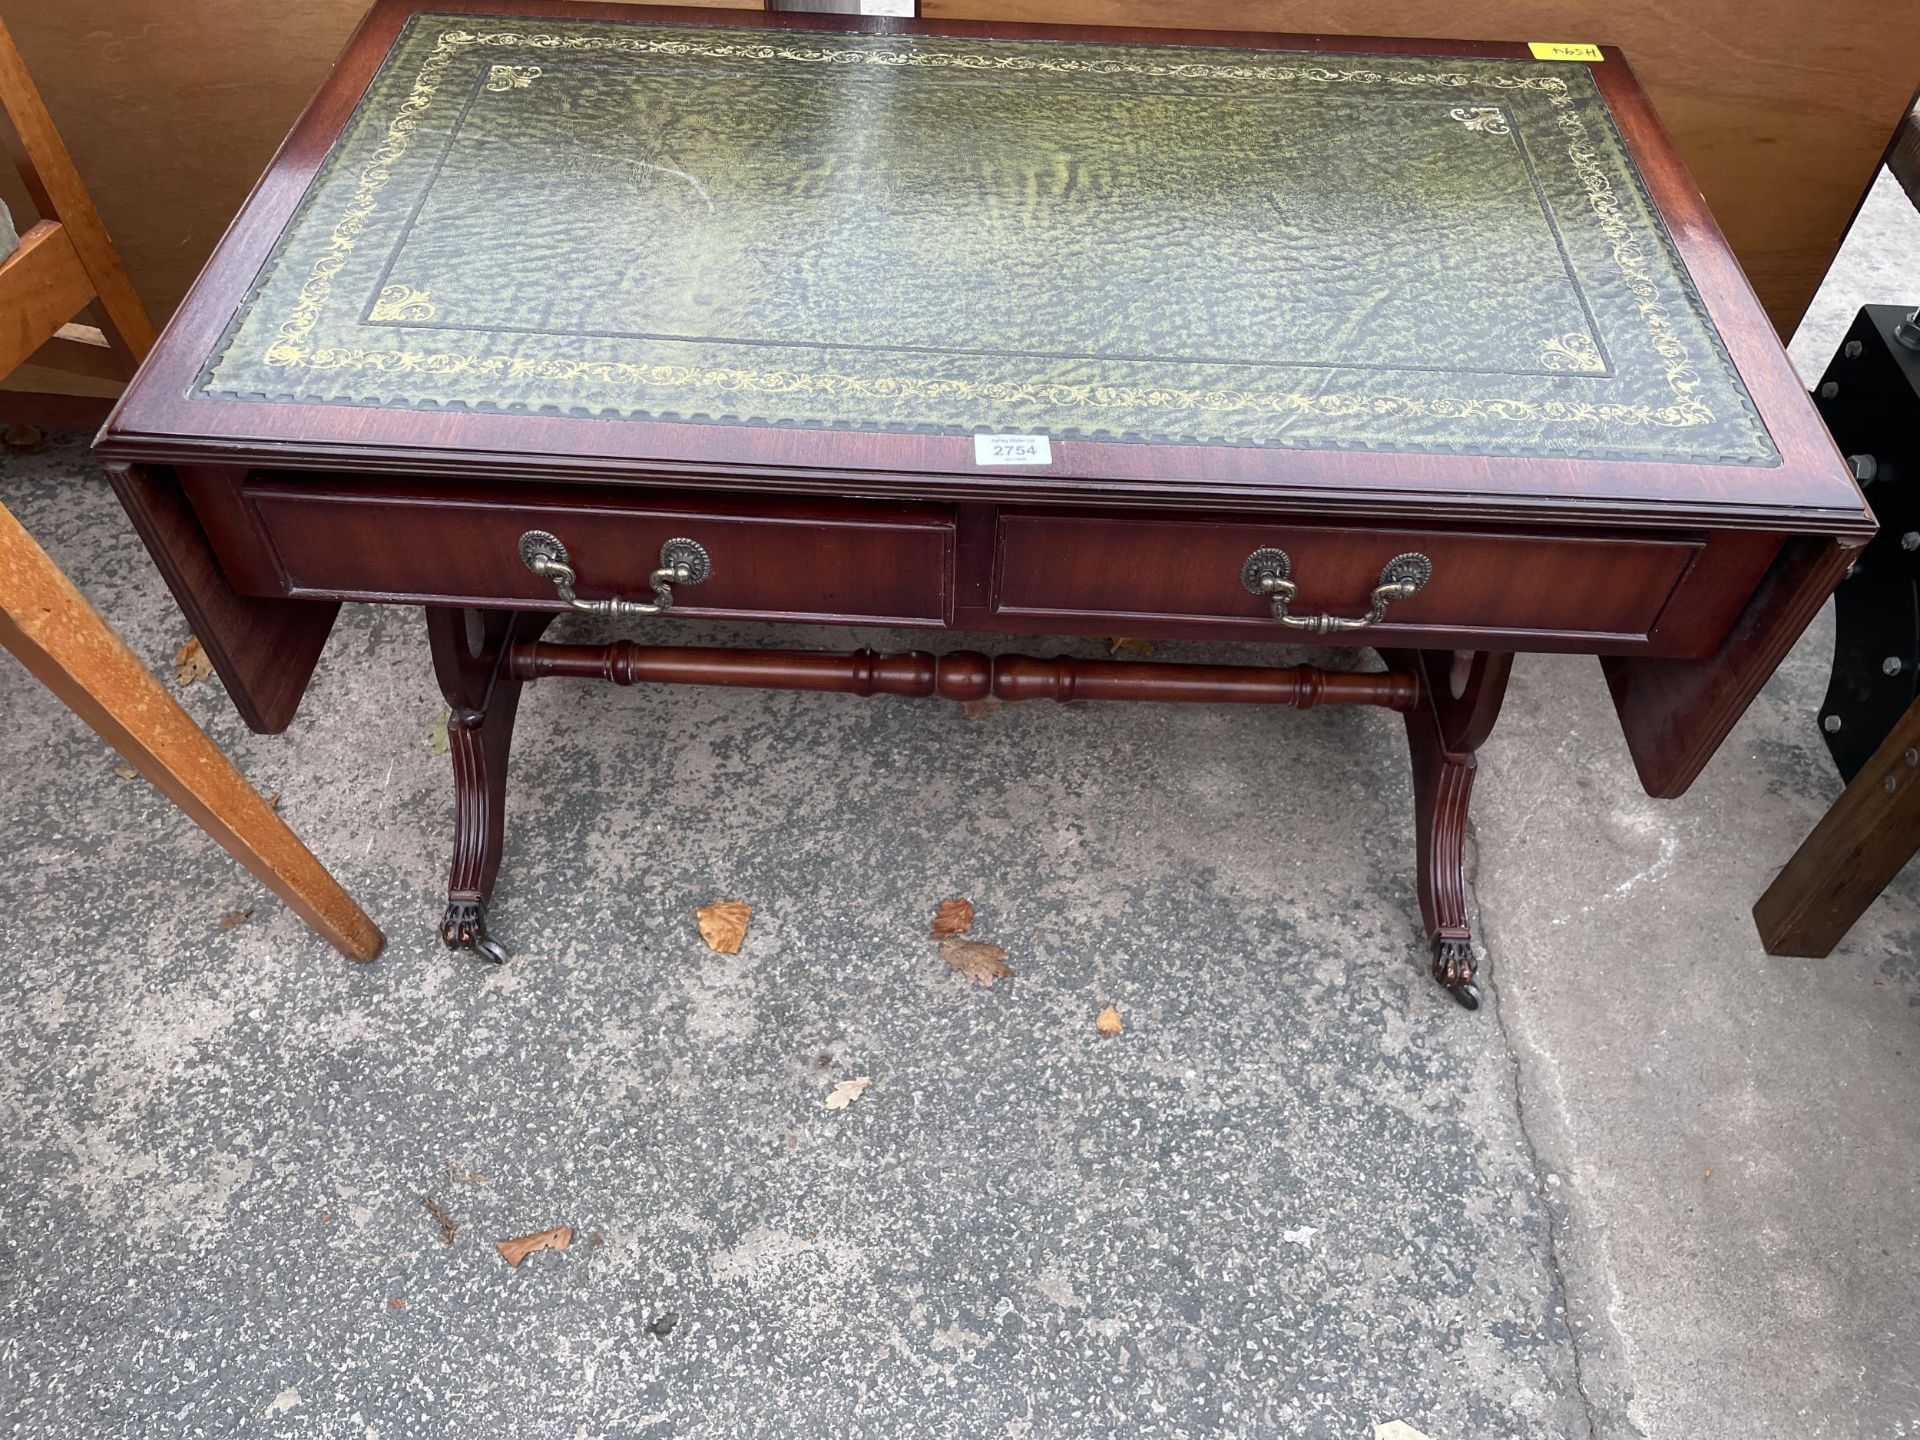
345, 410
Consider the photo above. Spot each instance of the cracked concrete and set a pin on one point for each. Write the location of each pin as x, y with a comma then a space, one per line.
1661, 1185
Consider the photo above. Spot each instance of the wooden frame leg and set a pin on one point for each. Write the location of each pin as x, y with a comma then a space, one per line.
1860, 844
469, 658
1460, 697
64, 641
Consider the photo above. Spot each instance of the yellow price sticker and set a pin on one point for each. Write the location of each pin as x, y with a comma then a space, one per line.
1545, 50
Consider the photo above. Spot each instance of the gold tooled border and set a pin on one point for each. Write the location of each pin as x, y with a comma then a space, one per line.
288, 349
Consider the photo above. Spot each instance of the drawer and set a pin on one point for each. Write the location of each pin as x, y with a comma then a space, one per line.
829, 561
1062, 568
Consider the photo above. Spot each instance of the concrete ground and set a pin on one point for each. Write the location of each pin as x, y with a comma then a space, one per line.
1661, 1185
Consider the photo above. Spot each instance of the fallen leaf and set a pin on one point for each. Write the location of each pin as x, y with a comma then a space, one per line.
848, 1091
273, 800
1109, 1022
396, 1303
190, 662
447, 1227
662, 1325
125, 772
437, 736
515, 1250
723, 925
594, 1241
954, 917
1396, 1430
326, 1216
1129, 647
1303, 1237
980, 709
233, 919
976, 960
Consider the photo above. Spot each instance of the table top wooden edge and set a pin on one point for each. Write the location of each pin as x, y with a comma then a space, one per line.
156, 421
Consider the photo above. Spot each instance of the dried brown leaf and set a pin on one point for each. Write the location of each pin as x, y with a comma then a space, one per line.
1121, 646
954, 917
976, 960
517, 1249
980, 709
1109, 1022
433, 1208
273, 800
723, 925
595, 1241
125, 771
233, 919
396, 1303
190, 662
848, 1091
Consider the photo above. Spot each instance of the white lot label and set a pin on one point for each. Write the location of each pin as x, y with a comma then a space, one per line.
1012, 450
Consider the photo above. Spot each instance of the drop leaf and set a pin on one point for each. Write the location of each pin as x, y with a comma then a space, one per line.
1109, 1022
437, 736
1122, 646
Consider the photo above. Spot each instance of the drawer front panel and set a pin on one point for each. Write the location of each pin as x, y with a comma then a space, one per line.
829, 562
1062, 566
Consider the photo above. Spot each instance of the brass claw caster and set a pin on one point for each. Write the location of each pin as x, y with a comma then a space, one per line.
464, 927
1453, 967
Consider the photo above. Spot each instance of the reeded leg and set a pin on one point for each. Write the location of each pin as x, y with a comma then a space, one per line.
1442, 785
469, 647
1459, 702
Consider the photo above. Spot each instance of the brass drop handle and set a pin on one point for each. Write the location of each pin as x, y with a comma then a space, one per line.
682, 562
1269, 572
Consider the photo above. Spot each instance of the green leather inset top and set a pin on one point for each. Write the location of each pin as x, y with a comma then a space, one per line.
1127, 242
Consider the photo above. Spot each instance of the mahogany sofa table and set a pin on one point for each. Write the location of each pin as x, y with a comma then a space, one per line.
549, 306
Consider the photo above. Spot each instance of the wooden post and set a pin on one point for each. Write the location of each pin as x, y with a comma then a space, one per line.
1865, 840
64, 641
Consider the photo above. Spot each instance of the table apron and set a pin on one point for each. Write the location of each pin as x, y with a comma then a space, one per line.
986, 567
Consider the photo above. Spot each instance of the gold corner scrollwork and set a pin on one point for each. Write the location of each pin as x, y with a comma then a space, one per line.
1488, 118
402, 302
1574, 351
512, 77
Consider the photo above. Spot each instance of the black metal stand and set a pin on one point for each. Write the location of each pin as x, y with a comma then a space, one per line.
1870, 399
